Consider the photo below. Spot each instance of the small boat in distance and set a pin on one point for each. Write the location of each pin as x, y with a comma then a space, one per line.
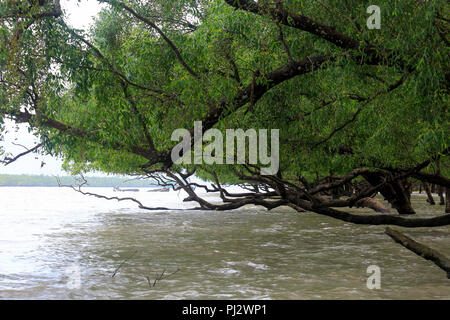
165, 189
117, 189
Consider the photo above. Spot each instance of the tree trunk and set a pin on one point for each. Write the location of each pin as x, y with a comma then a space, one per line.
394, 192
408, 188
447, 200
441, 195
425, 252
372, 204
430, 199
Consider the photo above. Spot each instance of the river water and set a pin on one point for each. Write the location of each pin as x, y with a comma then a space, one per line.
58, 244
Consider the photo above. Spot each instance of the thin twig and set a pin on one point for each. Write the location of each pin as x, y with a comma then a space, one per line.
122, 263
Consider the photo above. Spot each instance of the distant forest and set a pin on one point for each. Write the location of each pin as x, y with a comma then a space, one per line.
8, 180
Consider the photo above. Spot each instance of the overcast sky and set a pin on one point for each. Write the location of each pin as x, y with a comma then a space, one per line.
78, 14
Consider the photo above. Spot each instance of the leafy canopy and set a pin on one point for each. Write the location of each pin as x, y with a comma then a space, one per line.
121, 88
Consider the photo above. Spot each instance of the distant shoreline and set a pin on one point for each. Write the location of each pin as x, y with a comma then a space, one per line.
87, 186
15, 180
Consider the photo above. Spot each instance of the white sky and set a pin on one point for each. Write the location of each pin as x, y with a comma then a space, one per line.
78, 14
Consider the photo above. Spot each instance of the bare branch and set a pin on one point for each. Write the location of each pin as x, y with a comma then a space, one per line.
6, 161
78, 189
122, 263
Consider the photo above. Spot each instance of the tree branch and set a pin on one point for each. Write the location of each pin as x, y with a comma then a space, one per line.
301, 22
78, 189
6, 161
158, 30
422, 250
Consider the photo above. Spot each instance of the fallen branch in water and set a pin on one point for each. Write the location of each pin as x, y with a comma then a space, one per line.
159, 277
425, 252
373, 204
84, 182
122, 263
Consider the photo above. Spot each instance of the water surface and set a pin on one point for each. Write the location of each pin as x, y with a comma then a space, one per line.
49, 235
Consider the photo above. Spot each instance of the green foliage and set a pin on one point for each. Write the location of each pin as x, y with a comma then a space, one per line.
399, 128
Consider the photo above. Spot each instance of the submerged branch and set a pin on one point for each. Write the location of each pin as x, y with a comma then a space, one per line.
122, 263
382, 219
78, 189
422, 250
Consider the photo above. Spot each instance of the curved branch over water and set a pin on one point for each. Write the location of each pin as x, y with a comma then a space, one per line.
422, 250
